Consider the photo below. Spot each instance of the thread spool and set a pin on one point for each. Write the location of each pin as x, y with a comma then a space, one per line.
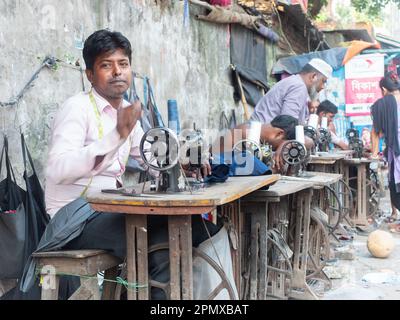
313, 121
300, 134
324, 123
173, 116
254, 131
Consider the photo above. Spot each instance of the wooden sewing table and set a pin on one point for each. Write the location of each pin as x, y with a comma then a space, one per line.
179, 207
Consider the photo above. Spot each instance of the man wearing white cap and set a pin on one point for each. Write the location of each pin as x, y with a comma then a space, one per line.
291, 95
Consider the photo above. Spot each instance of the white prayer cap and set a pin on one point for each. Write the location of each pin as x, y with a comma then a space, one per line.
320, 65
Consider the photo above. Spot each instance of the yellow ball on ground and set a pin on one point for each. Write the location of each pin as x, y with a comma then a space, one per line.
380, 243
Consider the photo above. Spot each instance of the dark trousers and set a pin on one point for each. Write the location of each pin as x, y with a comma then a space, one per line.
106, 231
394, 195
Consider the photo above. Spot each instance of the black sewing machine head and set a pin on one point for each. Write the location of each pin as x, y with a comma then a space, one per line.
294, 154
162, 151
352, 134
194, 150
312, 133
355, 143
262, 151
324, 139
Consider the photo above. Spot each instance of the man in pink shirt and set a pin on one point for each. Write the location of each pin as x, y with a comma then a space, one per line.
92, 137
93, 133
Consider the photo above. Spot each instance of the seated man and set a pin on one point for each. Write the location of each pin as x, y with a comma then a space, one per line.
329, 110
92, 137
281, 128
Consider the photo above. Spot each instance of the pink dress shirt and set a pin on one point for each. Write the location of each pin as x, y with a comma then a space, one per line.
75, 144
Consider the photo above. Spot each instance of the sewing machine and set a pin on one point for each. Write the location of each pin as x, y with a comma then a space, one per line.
324, 139
262, 151
295, 155
312, 133
293, 152
355, 143
194, 150
168, 152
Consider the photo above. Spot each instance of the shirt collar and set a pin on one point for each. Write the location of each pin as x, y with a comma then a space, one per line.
103, 103
302, 80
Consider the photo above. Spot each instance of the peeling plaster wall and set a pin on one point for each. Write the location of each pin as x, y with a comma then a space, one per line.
190, 65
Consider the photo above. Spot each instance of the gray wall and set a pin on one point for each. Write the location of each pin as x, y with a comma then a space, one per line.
190, 65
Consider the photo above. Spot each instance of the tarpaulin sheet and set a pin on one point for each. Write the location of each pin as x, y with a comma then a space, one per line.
248, 54
293, 65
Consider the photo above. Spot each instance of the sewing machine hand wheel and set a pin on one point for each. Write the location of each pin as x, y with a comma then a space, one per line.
293, 152
357, 146
310, 132
352, 134
324, 136
159, 149
249, 146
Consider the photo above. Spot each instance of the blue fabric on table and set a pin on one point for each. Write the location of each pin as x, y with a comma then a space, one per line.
241, 164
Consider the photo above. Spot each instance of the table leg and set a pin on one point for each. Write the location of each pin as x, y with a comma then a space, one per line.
262, 220
137, 256
258, 248
362, 195
232, 213
301, 242
50, 288
181, 259
345, 178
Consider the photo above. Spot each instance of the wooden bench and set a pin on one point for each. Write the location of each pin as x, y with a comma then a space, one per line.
84, 263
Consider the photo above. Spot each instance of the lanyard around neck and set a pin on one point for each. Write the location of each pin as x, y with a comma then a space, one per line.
101, 132
97, 114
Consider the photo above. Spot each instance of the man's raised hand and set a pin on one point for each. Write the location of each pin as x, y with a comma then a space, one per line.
127, 118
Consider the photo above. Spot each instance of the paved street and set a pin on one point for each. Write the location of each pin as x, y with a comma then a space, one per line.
367, 277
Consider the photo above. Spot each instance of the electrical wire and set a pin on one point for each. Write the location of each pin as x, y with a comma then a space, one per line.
281, 28
48, 62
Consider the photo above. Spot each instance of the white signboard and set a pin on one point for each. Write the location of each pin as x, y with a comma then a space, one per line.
359, 109
361, 121
363, 74
365, 66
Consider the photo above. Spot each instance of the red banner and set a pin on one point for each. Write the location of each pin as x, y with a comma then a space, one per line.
360, 91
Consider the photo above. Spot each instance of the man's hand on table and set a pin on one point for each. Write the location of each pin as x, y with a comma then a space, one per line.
191, 171
374, 156
278, 160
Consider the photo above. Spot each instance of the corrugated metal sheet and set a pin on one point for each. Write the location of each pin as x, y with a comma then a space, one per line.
387, 42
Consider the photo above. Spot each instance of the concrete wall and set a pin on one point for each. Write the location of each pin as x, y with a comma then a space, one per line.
188, 64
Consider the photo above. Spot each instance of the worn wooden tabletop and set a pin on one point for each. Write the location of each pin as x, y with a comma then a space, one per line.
282, 188
321, 179
359, 160
345, 152
212, 196
327, 158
